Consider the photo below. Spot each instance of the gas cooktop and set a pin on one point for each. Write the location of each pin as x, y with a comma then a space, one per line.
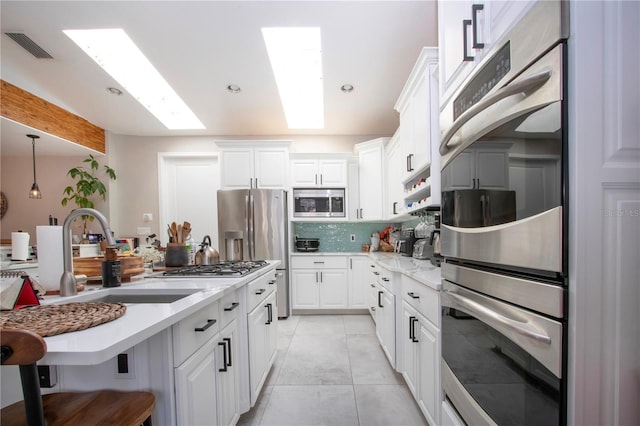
223, 269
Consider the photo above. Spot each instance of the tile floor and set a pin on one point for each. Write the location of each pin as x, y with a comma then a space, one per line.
330, 370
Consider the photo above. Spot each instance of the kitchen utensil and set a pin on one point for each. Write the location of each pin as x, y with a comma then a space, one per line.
176, 255
233, 245
207, 255
307, 244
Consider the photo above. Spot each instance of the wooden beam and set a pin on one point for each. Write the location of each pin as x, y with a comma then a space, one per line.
26, 108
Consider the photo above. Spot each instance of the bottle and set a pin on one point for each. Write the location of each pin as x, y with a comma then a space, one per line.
191, 249
111, 268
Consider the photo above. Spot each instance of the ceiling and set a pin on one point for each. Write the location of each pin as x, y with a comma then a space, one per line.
201, 47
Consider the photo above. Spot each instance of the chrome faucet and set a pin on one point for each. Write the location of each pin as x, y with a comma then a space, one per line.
68, 279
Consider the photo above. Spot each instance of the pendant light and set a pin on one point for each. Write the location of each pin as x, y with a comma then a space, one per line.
35, 191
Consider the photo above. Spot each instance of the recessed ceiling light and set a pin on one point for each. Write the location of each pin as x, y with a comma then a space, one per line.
116, 53
347, 88
296, 59
114, 91
234, 88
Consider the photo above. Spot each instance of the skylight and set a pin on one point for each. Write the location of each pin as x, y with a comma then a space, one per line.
116, 53
296, 60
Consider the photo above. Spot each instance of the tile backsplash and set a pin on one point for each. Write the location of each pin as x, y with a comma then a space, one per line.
335, 237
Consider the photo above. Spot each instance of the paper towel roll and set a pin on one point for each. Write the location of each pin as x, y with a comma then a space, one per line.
50, 259
19, 245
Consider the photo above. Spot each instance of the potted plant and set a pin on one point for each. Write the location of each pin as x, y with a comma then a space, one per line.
87, 186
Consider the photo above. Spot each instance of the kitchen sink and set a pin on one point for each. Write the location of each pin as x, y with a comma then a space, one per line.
132, 296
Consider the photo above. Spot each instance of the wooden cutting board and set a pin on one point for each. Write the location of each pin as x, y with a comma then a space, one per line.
92, 267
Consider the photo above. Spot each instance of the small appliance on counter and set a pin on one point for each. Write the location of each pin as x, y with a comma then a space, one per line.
307, 244
436, 257
422, 249
404, 245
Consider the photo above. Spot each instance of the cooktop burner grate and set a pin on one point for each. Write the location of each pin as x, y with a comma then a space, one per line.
222, 269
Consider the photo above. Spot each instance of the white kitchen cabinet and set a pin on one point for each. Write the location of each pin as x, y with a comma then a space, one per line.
359, 281
420, 346
323, 172
419, 161
481, 168
371, 177
419, 112
386, 322
460, 53
395, 175
262, 324
319, 282
195, 383
245, 165
227, 379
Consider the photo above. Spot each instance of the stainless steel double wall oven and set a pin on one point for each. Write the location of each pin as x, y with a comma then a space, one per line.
504, 225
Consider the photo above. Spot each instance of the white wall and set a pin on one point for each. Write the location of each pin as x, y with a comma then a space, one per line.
135, 160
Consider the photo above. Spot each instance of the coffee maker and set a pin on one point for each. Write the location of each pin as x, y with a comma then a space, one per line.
436, 258
405, 243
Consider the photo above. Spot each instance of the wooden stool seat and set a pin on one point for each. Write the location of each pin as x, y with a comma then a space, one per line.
104, 407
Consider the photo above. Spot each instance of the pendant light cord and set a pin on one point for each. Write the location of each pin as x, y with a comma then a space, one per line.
33, 156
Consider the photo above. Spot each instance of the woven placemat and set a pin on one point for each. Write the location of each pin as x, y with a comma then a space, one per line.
50, 320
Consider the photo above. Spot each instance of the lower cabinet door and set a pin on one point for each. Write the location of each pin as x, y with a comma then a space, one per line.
333, 288
304, 284
227, 360
429, 370
409, 342
196, 387
257, 349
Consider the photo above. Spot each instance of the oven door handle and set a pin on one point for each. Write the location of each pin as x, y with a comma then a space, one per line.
528, 84
485, 314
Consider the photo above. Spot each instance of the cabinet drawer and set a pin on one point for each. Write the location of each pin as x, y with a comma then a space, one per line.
259, 289
319, 262
423, 298
193, 331
229, 307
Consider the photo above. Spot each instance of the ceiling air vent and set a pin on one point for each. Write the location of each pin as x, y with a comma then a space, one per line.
29, 45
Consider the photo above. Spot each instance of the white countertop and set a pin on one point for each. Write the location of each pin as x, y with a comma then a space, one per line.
420, 270
140, 321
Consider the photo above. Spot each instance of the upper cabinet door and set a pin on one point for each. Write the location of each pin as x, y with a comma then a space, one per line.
237, 168
271, 168
304, 173
333, 173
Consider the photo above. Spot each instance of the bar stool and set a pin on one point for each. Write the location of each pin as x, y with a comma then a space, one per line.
103, 407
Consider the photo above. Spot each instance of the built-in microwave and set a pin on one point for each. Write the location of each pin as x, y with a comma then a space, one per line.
319, 202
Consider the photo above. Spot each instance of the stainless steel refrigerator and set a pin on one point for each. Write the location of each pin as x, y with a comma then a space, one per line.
260, 218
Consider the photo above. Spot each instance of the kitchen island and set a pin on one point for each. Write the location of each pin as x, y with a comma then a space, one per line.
204, 352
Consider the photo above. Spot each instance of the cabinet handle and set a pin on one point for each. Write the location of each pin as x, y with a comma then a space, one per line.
376, 273
372, 285
474, 9
373, 308
361, 214
465, 54
413, 295
413, 329
409, 165
232, 307
379, 300
350, 263
320, 178
320, 276
385, 279
262, 290
269, 313
228, 341
395, 205
373, 266
272, 282
256, 182
224, 356
318, 262
411, 336
209, 323
316, 178
474, 183
250, 182
478, 182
